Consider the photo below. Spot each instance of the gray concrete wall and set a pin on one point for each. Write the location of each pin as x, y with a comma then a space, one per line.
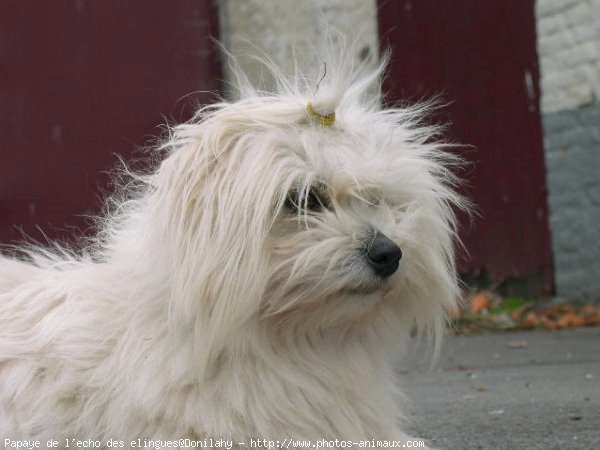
572, 140
569, 54
288, 30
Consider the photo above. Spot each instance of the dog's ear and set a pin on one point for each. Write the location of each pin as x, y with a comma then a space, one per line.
213, 211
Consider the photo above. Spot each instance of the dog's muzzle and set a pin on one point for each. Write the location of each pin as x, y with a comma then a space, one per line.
383, 255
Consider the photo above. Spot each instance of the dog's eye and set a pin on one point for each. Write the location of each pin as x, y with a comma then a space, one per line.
373, 198
311, 202
314, 202
375, 201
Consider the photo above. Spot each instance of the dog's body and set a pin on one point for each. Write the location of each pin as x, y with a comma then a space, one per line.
249, 288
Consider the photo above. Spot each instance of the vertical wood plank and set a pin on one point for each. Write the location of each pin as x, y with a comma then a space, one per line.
82, 81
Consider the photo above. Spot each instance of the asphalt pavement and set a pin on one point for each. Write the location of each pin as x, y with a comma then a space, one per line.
517, 390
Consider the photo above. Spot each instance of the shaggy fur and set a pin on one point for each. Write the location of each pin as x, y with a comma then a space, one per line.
208, 308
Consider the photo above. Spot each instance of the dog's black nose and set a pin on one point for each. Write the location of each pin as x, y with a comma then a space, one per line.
383, 255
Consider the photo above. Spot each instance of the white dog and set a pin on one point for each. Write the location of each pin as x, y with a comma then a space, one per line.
258, 284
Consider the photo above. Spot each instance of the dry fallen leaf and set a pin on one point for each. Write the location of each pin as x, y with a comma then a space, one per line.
571, 320
591, 314
590, 309
479, 302
486, 310
548, 323
531, 319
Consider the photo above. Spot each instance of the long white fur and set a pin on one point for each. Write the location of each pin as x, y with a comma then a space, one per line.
204, 309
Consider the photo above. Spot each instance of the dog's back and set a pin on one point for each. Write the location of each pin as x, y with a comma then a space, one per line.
37, 372
14, 273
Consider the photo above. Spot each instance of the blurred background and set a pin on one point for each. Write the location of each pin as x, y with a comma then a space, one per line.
82, 81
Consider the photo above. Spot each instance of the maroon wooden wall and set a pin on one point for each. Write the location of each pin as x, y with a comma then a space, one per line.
81, 81
481, 56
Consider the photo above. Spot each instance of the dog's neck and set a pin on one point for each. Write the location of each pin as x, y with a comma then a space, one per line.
319, 371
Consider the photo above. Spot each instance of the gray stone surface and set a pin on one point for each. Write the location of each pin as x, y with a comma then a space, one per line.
568, 34
526, 390
572, 141
292, 30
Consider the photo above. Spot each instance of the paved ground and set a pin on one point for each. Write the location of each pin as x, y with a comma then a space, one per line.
525, 390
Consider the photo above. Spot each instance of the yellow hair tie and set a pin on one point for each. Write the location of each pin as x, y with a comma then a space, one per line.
327, 120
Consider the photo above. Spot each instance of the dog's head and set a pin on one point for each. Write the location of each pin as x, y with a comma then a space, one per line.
275, 209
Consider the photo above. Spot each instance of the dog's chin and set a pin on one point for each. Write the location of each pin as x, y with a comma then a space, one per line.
359, 291
345, 305
369, 288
